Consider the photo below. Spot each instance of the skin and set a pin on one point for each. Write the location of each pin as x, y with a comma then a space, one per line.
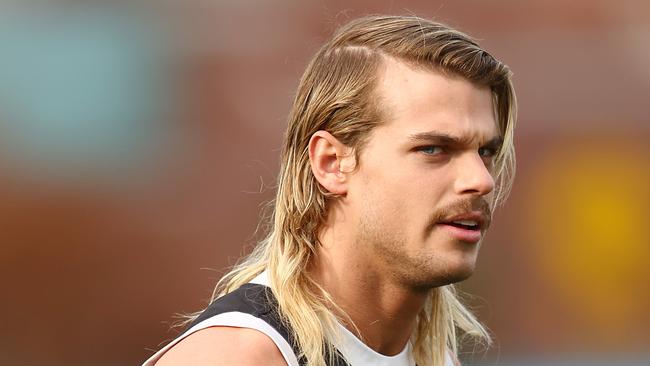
382, 250
224, 346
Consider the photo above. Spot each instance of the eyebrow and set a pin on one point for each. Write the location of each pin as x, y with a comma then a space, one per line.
446, 139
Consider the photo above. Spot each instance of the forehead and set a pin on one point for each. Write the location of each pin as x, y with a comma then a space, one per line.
418, 100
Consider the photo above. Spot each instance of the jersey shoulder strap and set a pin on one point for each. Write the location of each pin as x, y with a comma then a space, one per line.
258, 301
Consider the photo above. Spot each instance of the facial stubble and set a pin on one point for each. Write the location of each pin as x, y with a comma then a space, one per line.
427, 266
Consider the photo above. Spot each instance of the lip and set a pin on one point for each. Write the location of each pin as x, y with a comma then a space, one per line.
466, 235
472, 216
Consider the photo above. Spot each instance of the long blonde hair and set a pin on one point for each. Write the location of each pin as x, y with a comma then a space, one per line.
336, 95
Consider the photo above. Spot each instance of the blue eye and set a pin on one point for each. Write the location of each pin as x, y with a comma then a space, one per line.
431, 150
486, 152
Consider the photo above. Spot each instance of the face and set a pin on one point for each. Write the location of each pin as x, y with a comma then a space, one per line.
420, 196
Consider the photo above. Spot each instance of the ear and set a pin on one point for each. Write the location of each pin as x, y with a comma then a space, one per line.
330, 160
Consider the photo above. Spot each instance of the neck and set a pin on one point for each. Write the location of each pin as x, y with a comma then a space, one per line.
376, 308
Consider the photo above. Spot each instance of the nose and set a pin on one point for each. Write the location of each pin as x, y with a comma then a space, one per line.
473, 177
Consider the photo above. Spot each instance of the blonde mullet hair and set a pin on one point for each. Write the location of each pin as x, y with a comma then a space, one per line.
336, 95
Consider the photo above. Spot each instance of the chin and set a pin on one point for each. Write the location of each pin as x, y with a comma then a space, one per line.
456, 269
429, 278
461, 268
460, 274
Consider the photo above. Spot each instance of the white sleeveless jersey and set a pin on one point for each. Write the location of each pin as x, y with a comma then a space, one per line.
355, 352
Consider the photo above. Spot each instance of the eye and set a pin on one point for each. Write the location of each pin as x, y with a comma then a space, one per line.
431, 150
487, 152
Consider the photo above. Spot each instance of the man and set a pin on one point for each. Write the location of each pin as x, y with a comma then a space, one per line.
399, 145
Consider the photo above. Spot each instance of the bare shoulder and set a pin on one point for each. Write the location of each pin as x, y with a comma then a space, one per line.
224, 346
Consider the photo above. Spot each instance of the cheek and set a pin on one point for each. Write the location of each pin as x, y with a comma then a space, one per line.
400, 206
401, 187
384, 205
426, 189
409, 192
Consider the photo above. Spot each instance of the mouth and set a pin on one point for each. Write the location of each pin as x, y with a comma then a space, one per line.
474, 220
466, 227
464, 224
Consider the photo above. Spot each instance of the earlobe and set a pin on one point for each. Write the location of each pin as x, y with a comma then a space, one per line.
325, 156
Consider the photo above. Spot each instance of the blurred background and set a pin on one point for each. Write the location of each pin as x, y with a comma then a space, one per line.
138, 140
